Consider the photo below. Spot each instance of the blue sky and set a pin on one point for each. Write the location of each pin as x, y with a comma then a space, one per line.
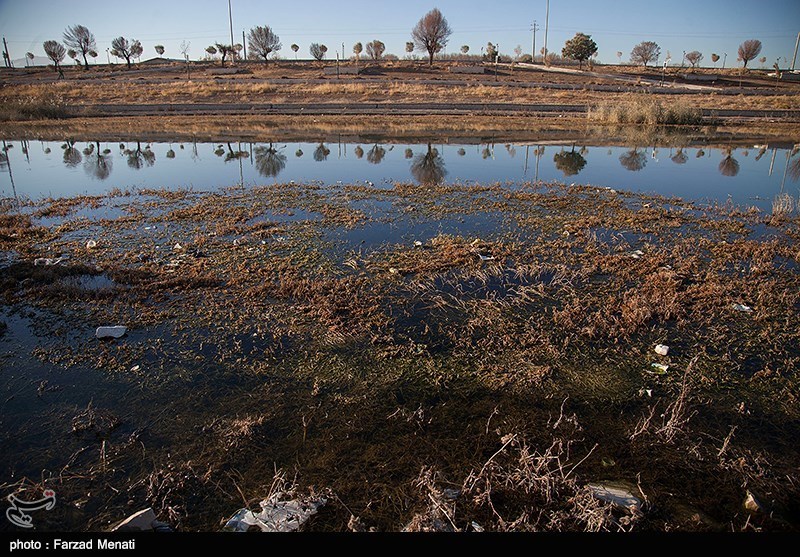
676, 25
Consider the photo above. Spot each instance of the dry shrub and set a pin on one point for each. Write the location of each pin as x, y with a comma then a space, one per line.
645, 111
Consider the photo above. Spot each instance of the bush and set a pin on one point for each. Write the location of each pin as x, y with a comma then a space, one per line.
646, 112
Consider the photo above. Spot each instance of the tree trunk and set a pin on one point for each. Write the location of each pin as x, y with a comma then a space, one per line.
85, 63
430, 53
128, 60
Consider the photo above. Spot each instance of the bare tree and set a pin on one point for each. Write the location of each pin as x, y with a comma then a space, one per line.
619, 56
317, 51
715, 58
465, 49
409, 47
428, 168
694, 57
123, 48
81, 39
644, 52
29, 57
262, 41
56, 52
295, 47
184, 48
159, 49
431, 33
358, 48
375, 49
748, 50
211, 50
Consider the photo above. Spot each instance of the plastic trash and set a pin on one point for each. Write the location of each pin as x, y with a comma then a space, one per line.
742, 307
394, 271
617, 493
47, 261
91, 244
662, 349
418, 244
177, 247
660, 369
276, 515
637, 254
486, 257
142, 521
117, 331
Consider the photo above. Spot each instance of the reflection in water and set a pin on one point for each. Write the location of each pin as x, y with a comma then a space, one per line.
171, 153
298, 153
138, 158
634, 160
269, 161
680, 157
97, 165
461, 152
232, 155
376, 154
72, 157
729, 166
321, 153
409, 154
569, 162
428, 168
359, 152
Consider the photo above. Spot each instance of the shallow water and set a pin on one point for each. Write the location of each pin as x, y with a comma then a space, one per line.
745, 175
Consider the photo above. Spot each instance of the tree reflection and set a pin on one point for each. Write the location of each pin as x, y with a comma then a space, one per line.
569, 162
98, 165
428, 168
269, 161
376, 154
321, 153
72, 157
409, 154
729, 166
138, 158
233, 155
794, 169
358, 151
679, 157
634, 160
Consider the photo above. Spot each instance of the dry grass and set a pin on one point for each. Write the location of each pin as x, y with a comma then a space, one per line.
646, 111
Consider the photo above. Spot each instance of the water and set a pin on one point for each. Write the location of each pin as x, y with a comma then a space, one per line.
745, 175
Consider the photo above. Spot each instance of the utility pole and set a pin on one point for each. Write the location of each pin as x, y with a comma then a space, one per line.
230, 19
534, 27
546, 26
725, 57
796, 44
8, 57
244, 47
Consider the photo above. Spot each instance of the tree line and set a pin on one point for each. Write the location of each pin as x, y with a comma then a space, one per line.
430, 36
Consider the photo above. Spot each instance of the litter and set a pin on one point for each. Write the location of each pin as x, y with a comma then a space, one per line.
117, 331
394, 271
276, 515
418, 244
662, 349
47, 261
742, 307
136, 368
142, 521
178, 247
486, 257
616, 493
637, 254
661, 369
91, 244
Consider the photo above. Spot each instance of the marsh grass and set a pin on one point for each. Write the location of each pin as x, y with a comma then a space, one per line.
646, 111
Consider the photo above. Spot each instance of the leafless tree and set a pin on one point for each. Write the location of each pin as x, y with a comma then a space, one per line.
295, 47
269, 161
748, 50
376, 154
409, 47
694, 57
729, 166
645, 52
763, 60
29, 57
619, 56
139, 158
262, 41
517, 52
159, 49
318, 51
715, 58
123, 48
375, 49
428, 168
81, 39
55, 51
431, 33
358, 48
98, 164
